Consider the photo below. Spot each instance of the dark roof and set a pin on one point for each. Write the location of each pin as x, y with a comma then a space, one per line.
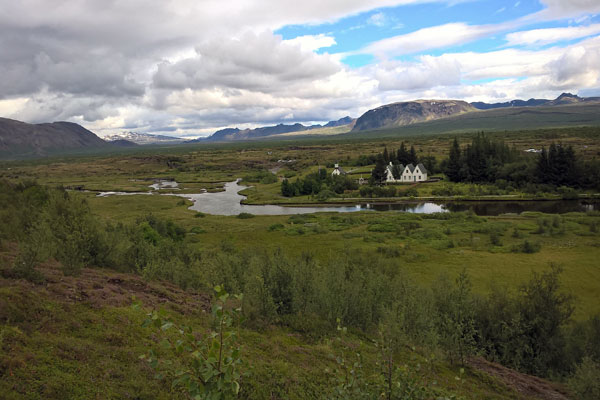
422, 168
411, 167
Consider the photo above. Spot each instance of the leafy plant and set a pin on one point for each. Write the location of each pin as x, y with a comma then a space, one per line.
349, 380
210, 367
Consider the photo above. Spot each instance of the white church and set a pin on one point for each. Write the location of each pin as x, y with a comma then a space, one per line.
408, 173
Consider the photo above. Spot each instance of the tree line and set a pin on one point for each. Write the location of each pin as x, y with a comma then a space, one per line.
320, 183
487, 161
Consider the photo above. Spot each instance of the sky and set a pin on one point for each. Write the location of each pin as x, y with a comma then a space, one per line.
190, 67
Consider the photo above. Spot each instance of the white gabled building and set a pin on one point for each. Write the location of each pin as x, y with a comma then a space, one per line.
410, 173
337, 170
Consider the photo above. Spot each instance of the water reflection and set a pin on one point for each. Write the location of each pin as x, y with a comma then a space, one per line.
228, 201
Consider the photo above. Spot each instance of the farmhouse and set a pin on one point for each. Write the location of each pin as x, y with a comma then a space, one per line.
405, 174
337, 170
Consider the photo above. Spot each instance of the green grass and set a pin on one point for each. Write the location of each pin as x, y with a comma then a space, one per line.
425, 252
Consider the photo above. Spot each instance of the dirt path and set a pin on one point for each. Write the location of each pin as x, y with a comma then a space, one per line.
529, 386
99, 288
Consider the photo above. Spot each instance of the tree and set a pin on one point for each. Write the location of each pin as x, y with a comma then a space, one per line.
386, 156
454, 164
545, 310
412, 157
456, 313
378, 173
403, 155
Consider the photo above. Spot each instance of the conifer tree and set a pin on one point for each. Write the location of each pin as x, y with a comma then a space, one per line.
453, 167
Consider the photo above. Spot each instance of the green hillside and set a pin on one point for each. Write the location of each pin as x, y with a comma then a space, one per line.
501, 119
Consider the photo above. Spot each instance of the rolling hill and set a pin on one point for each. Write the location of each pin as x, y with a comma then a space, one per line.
19, 139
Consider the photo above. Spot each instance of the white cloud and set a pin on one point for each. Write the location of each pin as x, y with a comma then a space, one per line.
312, 42
428, 72
551, 35
532, 73
429, 38
378, 19
260, 62
569, 8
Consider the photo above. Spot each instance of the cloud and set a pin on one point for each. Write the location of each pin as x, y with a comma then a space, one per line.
260, 62
182, 67
312, 42
550, 35
428, 72
429, 38
378, 19
568, 8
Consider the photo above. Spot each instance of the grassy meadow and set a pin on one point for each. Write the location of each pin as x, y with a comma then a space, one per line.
75, 335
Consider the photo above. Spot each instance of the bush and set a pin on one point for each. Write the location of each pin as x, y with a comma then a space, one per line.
245, 215
526, 247
495, 239
199, 215
585, 382
209, 368
264, 177
275, 227
325, 194
410, 192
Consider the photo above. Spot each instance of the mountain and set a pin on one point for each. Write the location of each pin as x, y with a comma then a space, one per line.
19, 139
582, 114
144, 138
514, 103
340, 122
565, 98
230, 134
410, 112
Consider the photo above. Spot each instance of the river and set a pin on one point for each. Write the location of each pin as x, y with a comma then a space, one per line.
228, 203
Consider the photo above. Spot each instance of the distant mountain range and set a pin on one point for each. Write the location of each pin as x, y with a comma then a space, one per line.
565, 98
20, 139
230, 134
143, 138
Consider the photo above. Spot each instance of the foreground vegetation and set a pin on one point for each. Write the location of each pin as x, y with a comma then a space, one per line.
371, 289
357, 305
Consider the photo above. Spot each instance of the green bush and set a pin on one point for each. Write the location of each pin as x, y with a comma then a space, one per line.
526, 247
210, 368
585, 382
276, 227
245, 215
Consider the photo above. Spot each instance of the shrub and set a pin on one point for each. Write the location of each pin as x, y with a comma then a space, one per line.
275, 227
245, 215
526, 247
210, 367
495, 238
199, 215
585, 382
